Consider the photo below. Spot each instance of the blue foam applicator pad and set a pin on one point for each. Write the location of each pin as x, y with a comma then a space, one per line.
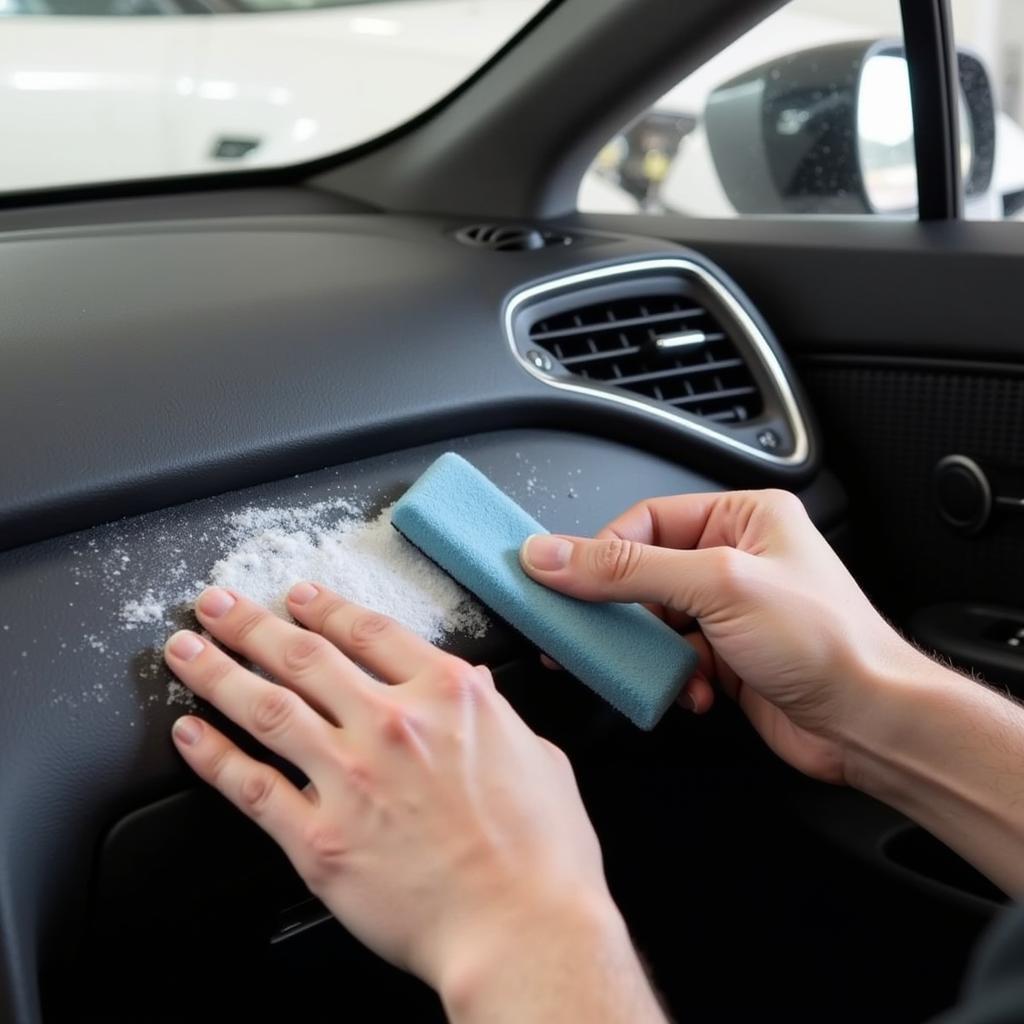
471, 529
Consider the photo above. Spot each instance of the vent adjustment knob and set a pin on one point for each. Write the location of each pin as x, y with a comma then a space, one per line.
962, 493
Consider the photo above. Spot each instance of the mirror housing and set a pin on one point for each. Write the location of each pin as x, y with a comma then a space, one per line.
788, 136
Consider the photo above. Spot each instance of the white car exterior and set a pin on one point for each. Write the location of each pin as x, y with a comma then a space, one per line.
109, 98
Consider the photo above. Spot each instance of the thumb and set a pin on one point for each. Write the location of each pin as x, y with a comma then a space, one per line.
624, 570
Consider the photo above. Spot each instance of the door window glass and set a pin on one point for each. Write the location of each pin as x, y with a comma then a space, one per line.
990, 43
807, 113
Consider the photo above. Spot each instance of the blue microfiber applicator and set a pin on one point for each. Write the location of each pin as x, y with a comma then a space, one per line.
473, 531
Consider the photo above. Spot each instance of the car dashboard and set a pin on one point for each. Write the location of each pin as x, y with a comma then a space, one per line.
162, 376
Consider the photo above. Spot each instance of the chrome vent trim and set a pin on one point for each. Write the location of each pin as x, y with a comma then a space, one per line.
757, 348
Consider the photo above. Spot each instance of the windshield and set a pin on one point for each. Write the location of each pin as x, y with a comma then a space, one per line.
106, 90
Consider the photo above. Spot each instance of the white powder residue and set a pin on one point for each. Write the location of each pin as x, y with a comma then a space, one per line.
180, 695
263, 552
141, 611
369, 563
537, 490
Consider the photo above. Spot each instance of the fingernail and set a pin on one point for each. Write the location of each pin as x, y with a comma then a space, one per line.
185, 645
186, 730
689, 702
215, 602
547, 553
302, 593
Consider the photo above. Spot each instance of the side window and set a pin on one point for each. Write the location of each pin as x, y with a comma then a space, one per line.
808, 113
990, 43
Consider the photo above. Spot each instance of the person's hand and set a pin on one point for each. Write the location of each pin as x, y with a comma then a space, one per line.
775, 616
436, 825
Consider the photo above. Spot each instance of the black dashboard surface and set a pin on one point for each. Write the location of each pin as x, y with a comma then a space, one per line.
153, 363
144, 366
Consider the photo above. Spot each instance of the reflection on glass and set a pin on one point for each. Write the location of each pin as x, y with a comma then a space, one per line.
885, 135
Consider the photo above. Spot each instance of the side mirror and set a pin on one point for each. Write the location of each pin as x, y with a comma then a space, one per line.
830, 130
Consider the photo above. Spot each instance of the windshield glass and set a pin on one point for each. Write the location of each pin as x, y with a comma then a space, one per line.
105, 90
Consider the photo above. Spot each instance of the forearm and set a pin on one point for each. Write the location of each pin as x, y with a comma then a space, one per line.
948, 753
575, 964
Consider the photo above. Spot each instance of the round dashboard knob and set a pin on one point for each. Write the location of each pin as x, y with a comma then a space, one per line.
962, 493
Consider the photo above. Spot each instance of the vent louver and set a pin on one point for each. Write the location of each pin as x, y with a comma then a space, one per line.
667, 348
667, 341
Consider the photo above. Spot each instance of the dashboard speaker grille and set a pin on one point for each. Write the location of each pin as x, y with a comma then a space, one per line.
668, 348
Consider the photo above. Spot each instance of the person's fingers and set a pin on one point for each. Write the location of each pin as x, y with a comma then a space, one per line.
276, 716
698, 695
308, 663
389, 650
705, 655
256, 789
710, 669
671, 522
692, 582
701, 520
678, 619
726, 678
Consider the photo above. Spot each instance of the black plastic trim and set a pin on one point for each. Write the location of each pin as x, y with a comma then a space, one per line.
863, 284
934, 92
518, 143
968, 634
938, 365
215, 203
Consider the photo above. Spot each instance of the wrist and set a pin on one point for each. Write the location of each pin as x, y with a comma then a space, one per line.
945, 751
897, 695
556, 935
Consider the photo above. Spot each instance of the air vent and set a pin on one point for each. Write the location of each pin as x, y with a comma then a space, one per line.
671, 342
510, 237
668, 348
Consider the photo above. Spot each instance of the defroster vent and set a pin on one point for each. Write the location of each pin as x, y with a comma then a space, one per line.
510, 237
